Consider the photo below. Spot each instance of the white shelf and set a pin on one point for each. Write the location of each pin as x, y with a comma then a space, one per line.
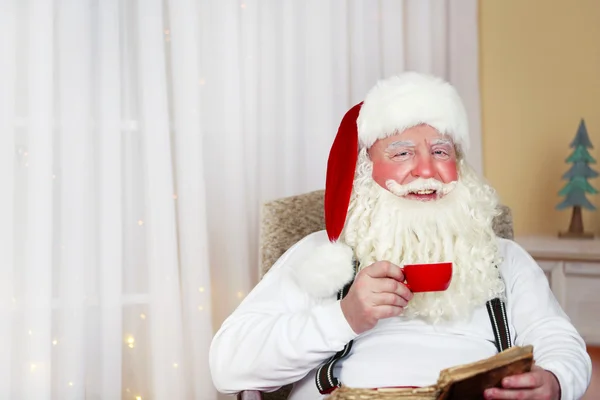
554, 248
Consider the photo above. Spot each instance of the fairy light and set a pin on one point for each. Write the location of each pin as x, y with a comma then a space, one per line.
201, 289
201, 81
200, 308
30, 332
136, 397
54, 342
32, 367
143, 316
175, 365
131, 342
70, 383
243, 5
174, 197
140, 222
240, 295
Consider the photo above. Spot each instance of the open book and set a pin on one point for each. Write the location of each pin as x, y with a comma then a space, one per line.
461, 382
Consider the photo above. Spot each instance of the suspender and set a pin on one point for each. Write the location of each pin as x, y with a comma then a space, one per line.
497, 312
327, 383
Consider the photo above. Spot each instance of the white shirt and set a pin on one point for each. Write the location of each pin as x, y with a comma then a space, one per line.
280, 334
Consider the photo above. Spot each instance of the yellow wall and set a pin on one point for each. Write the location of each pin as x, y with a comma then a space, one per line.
540, 73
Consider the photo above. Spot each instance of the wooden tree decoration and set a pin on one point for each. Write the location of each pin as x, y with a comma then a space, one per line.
578, 185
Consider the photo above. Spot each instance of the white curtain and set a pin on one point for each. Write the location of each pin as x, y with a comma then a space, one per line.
137, 141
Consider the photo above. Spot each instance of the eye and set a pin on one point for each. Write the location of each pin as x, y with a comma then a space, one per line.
402, 154
441, 153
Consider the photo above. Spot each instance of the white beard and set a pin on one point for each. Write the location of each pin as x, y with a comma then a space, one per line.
457, 228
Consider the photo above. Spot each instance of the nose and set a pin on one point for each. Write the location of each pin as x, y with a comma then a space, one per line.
424, 167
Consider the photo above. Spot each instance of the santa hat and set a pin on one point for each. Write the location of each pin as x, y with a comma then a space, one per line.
390, 107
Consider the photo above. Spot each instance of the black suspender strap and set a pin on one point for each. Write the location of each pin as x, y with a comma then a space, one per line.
497, 312
326, 382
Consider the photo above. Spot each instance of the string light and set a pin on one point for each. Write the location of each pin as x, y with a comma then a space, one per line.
30, 332
53, 176
240, 295
201, 81
32, 367
136, 397
175, 365
167, 31
175, 197
131, 342
200, 308
243, 5
54, 342
143, 316
140, 222
201, 289
70, 383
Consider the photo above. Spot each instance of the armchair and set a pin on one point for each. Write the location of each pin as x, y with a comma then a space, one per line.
285, 221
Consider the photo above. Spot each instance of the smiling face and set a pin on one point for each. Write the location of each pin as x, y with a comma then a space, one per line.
417, 164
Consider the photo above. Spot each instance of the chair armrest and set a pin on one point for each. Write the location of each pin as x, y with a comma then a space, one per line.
250, 395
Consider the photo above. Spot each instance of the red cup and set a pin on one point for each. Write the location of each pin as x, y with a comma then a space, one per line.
434, 277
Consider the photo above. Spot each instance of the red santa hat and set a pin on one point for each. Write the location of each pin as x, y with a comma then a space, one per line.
390, 107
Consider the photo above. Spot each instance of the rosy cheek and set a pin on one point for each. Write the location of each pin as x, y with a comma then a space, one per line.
448, 172
382, 172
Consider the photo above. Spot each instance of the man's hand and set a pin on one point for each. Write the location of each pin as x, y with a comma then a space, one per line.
537, 384
377, 293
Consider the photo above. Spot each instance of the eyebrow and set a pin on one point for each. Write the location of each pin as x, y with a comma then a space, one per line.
440, 141
401, 143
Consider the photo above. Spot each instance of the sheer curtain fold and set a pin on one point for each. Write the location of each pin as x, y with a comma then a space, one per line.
190, 194
75, 171
138, 141
33, 333
7, 179
110, 213
163, 261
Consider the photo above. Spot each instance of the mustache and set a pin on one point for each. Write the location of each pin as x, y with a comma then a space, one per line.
419, 185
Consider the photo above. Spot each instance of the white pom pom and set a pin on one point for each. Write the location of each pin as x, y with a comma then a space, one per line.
326, 271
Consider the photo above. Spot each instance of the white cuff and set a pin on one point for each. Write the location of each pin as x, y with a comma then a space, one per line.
333, 324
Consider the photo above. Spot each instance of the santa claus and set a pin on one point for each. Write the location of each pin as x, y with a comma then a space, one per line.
337, 306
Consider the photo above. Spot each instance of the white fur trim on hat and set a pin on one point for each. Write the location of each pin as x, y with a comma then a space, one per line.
326, 271
410, 99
